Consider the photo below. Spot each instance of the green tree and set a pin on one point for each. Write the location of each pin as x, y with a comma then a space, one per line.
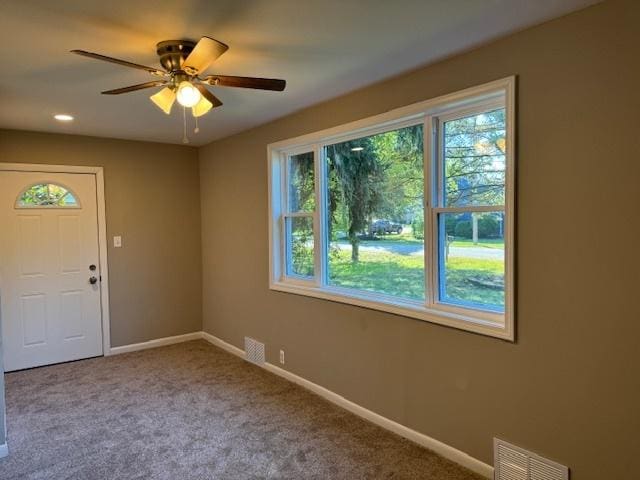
355, 177
474, 159
301, 182
401, 155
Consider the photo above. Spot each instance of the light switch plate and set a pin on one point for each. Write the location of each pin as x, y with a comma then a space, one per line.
117, 241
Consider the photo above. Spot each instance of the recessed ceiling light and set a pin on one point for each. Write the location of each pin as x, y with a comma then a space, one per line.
357, 149
63, 117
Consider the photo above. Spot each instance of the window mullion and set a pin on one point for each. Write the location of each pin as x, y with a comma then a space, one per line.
283, 209
428, 146
284, 201
438, 160
320, 240
285, 183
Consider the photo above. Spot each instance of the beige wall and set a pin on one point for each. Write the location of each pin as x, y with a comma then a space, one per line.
152, 200
570, 387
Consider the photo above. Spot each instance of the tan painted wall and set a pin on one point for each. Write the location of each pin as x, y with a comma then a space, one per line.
152, 200
570, 387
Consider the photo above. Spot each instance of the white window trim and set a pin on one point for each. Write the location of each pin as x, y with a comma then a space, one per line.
478, 321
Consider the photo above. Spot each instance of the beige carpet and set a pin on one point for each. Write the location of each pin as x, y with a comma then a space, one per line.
193, 411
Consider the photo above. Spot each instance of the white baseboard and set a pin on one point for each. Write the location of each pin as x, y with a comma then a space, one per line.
222, 344
4, 450
432, 444
159, 342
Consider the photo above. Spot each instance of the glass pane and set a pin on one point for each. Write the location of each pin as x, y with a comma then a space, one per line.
474, 159
68, 200
28, 199
40, 194
301, 183
375, 213
471, 257
299, 246
46, 195
56, 192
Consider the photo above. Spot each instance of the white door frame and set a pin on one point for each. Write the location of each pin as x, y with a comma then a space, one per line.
102, 232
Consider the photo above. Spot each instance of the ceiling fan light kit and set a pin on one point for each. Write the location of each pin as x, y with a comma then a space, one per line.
183, 62
164, 99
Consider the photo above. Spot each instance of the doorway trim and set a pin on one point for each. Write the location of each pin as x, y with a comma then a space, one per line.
102, 231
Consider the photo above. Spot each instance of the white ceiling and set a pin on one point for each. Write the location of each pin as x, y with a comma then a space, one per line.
322, 48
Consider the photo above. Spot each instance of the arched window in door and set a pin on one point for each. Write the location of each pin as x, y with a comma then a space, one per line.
47, 195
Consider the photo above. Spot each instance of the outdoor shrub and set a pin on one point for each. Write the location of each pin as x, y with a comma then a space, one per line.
302, 255
488, 226
450, 222
463, 229
417, 226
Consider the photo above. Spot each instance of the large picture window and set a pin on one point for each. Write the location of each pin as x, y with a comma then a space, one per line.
409, 212
375, 197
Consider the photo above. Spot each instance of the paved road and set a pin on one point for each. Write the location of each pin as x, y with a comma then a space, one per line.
409, 249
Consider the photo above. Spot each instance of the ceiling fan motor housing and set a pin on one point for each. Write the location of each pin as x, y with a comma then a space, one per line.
172, 53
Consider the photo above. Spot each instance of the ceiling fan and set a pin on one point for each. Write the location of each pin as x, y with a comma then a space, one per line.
184, 62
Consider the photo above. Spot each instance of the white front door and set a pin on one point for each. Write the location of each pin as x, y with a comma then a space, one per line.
49, 268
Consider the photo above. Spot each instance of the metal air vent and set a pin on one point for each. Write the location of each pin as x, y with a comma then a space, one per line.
254, 351
515, 463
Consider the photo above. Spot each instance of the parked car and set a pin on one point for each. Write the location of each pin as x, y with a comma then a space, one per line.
383, 227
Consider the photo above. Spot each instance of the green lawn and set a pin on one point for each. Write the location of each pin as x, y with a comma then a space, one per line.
467, 279
474, 280
385, 272
409, 239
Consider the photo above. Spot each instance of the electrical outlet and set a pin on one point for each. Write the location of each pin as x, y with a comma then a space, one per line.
282, 357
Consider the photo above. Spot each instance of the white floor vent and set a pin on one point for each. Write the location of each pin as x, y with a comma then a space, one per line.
254, 351
515, 463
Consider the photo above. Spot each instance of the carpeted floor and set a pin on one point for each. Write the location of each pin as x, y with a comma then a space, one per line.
193, 411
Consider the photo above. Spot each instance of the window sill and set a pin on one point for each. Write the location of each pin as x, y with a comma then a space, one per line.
492, 325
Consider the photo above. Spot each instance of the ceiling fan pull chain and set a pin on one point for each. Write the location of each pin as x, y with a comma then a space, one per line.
197, 129
185, 139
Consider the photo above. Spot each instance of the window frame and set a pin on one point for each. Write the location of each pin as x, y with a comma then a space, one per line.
286, 213
439, 207
500, 93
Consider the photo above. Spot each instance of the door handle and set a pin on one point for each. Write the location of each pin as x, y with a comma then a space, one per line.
93, 280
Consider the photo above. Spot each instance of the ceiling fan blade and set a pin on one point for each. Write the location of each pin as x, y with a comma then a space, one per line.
133, 88
208, 95
246, 82
205, 52
124, 63
164, 99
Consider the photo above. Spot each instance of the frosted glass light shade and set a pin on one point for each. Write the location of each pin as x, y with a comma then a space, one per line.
202, 107
164, 99
188, 95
